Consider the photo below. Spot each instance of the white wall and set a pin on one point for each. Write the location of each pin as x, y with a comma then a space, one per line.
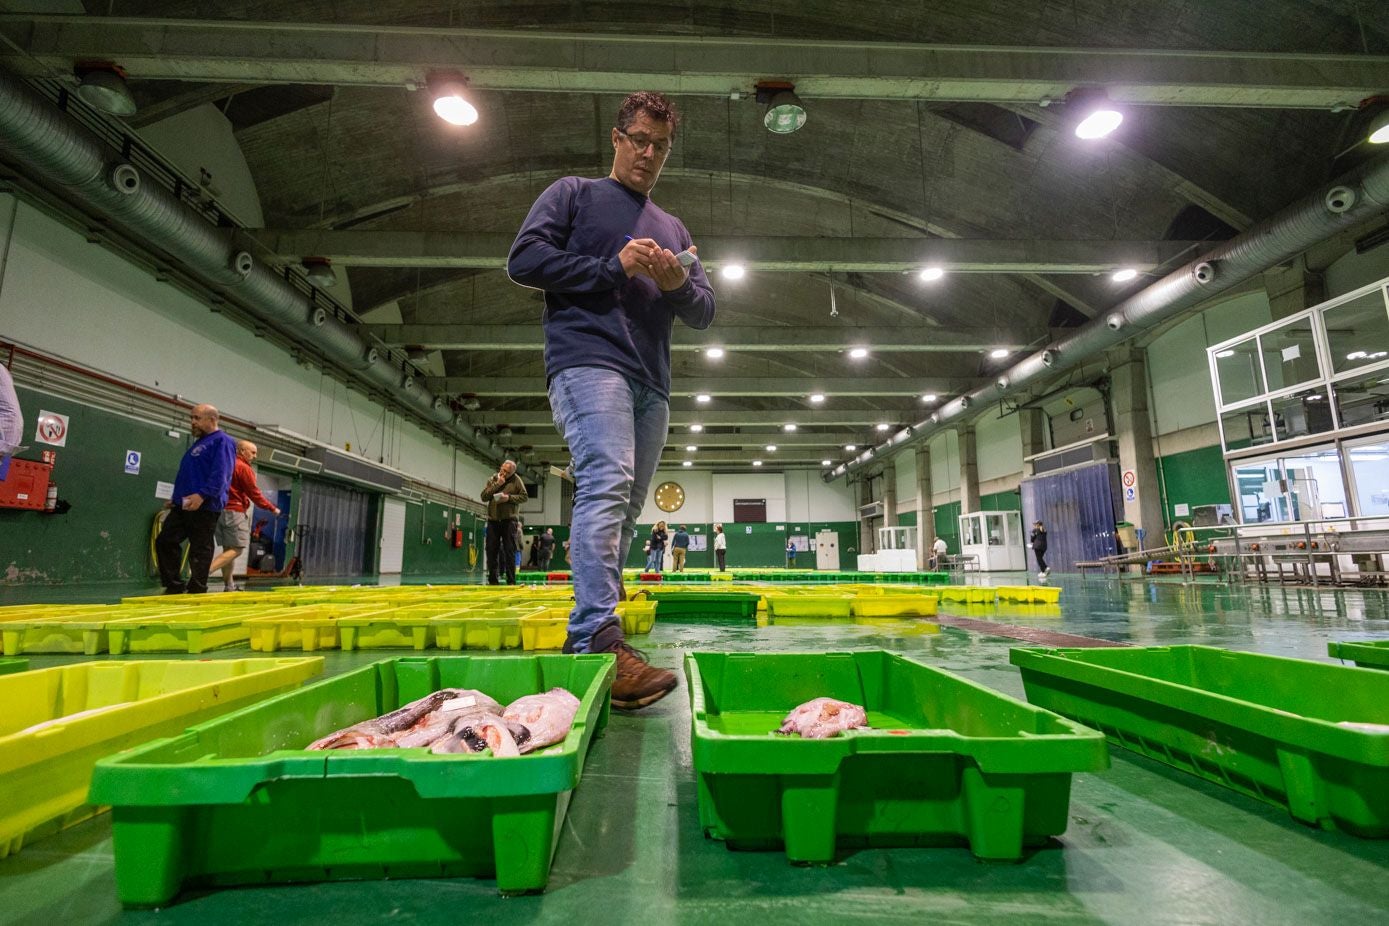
810, 498
201, 139
728, 486
795, 495
67, 297
1353, 271
998, 444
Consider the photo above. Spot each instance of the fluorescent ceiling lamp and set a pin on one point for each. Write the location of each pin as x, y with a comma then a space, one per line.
929, 397
696, 428
826, 462
451, 105
785, 113
1123, 276
756, 462
771, 448
1379, 129
1221, 355
858, 353
998, 353
883, 426
788, 428
1099, 123
851, 447
691, 448
931, 274
714, 353
733, 271
816, 398
686, 463
104, 88
703, 398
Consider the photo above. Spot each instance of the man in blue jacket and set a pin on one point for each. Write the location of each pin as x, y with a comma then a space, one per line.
200, 493
605, 256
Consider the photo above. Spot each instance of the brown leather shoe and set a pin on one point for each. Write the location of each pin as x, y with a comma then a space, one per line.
638, 683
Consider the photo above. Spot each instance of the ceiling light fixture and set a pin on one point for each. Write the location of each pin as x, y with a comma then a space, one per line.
816, 398
319, 271
714, 353
691, 448
703, 398
931, 274
998, 353
686, 463
883, 426
850, 447
858, 353
785, 111
1123, 276
756, 462
929, 397
1095, 115
826, 462
696, 428
788, 427
1221, 355
450, 102
771, 448
733, 271
103, 87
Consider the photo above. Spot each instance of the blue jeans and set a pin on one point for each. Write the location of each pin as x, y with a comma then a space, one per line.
615, 429
656, 560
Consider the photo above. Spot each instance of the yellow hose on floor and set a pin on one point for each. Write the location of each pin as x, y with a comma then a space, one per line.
158, 526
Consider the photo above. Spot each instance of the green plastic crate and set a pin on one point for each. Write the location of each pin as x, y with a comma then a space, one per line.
712, 606
1368, 654
8, 666
949, 761
96, 709
1265, 726
240, 801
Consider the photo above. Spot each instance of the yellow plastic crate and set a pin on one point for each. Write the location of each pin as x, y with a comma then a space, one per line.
97, 709
86, 636
720, 577
967, 594
546, 631
1030, 594
309, 627
808, 605
483, 628
894, 605
191, 633
399, 628
637, 616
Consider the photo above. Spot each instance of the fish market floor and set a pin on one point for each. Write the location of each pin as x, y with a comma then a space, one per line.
1146, 844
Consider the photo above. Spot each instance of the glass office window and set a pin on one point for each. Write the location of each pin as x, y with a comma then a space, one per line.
1306, 486
1247, 427
1301, 414
1362, 399
1370, 467
1357, 332
1290, 355
1237, 369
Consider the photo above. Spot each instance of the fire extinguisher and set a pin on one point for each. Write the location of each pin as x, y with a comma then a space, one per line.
457, 538
51, 502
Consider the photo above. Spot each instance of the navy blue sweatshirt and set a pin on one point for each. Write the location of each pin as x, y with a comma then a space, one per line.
206, 470
594, 315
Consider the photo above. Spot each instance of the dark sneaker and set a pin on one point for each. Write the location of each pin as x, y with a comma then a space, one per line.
638, 683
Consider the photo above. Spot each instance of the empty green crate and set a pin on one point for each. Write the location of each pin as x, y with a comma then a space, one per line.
694, 606
8, 666
240, 801
1368, 654
1265, 726
948, 762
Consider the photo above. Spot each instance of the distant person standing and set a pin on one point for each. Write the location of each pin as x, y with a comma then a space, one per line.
546, 544
790, 553
1038, 542
679, 546
503, 493
200, 493
11, 418
234, 526
720, 547
657, 547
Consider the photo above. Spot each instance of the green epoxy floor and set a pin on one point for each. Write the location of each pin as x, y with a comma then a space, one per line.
1146, 844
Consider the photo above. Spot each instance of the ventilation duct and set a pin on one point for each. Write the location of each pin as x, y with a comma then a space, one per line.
56, 150
1359, 195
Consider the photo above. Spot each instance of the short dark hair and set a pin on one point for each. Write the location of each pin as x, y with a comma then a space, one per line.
656, 105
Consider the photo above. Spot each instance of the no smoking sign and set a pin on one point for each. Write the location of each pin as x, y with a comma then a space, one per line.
51, 428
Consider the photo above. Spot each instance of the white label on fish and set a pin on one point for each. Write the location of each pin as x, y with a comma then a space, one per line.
459, 704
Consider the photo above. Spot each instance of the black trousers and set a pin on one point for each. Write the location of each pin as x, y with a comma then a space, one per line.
545, 556
196, 527
501, 551
1041, 559
721, 556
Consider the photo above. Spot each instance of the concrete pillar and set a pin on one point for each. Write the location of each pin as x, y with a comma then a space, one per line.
890, 494
1032, 425
1292, 289
925, 511
1128, 395
865, 527
969, 471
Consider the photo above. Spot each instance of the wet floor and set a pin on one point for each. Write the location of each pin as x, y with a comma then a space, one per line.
1146, 844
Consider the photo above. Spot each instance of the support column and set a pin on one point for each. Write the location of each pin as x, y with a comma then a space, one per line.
1032, 426
1128, 395
890, 494
865, 529
925, 511
1292, 289
969, 471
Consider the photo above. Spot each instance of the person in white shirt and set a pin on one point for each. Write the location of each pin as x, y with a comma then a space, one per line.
721, 547
11, 418
938, 551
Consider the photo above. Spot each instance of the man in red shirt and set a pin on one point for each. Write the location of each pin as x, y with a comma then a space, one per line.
234, 527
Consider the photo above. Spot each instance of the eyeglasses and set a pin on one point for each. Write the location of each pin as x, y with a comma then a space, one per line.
640, 143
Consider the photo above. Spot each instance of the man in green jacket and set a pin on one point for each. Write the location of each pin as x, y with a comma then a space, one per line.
503, 494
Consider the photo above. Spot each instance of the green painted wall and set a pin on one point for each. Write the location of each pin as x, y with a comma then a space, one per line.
906, 519
1195, 477
106, 535
753, 545
1001, 501
948, 524
428, 550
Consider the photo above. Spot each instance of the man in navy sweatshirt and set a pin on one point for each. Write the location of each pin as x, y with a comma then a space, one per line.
605, 255
200, 493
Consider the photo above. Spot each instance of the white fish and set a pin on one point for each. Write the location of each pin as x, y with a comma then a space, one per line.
545, 718
381, 731
442, 721
824, 718
477, 732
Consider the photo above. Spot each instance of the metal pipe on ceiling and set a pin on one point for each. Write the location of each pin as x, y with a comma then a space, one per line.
1352, 198
55, 150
